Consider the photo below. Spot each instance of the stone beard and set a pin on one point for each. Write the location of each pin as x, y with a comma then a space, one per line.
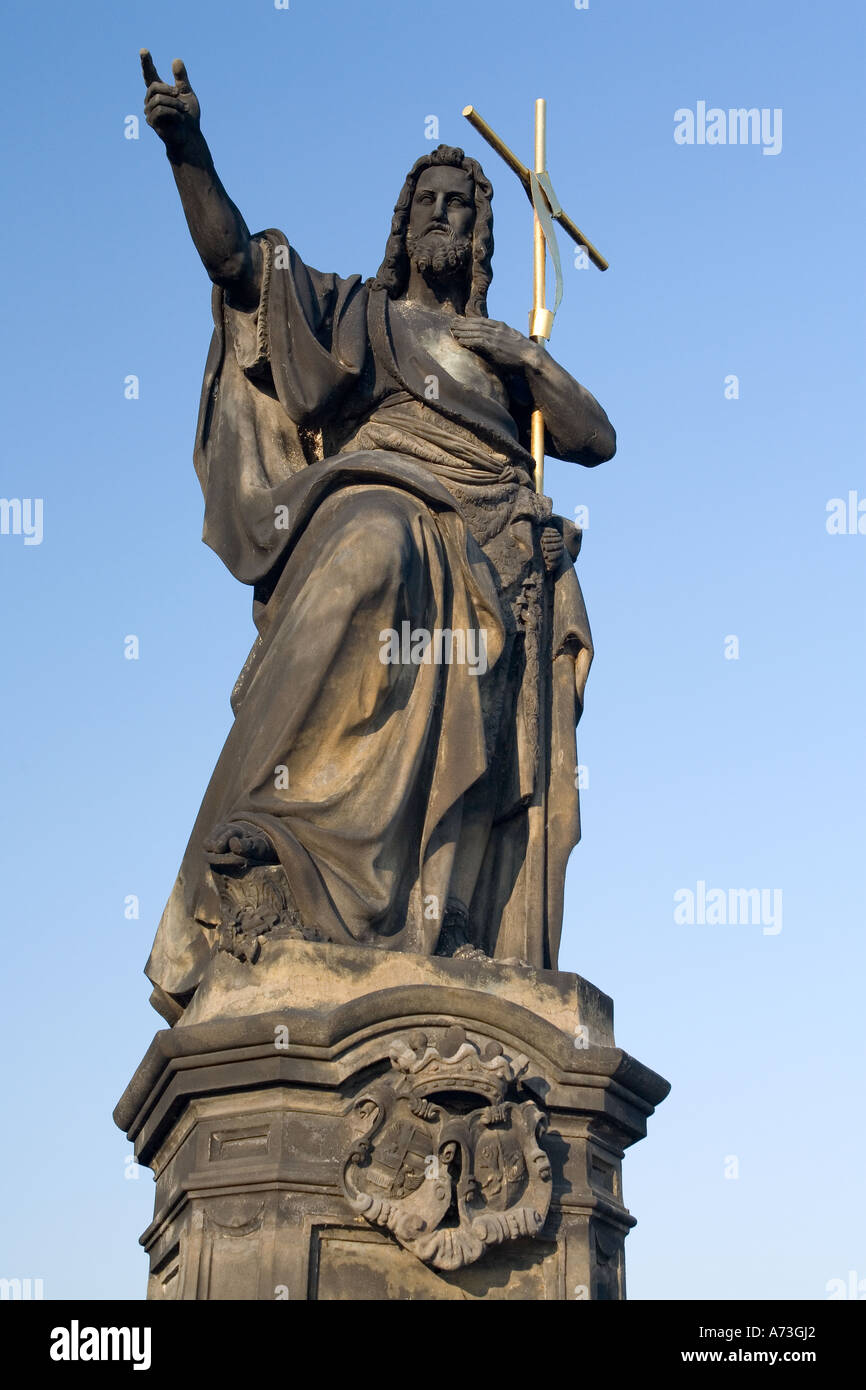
430, 256
363, 471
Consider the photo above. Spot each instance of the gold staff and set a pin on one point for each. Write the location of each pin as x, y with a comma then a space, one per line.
546, 210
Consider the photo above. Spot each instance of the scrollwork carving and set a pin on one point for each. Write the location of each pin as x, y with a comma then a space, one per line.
444, 1156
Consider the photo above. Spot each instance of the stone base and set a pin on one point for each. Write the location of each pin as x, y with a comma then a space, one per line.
398, 1128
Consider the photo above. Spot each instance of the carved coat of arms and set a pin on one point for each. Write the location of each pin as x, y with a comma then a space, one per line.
444, 1158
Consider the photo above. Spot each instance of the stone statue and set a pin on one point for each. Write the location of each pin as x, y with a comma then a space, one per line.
377, 1085
401, 769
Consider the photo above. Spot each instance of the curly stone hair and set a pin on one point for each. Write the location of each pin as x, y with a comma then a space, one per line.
393, 273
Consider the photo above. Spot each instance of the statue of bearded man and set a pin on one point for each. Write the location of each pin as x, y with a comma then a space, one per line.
402, 759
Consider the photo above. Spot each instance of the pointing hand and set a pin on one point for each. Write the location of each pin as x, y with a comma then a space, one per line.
172, 111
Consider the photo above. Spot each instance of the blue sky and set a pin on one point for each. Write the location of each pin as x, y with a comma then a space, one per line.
710, 523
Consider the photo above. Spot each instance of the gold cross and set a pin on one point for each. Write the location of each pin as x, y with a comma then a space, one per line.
546, 210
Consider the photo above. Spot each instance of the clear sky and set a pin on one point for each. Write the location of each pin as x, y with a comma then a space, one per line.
735, 771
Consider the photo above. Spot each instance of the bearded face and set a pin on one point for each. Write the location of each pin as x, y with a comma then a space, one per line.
441, 219
439, 253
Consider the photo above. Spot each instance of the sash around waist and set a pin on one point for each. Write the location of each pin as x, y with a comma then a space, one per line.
404, 425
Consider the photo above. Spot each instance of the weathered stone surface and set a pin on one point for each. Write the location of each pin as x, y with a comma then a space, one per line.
249, 1124
447, 1154
309, 975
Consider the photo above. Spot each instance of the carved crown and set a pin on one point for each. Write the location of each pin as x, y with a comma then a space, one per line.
453, 1064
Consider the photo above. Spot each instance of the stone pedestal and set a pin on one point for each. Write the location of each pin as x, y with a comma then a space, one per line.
345, 1123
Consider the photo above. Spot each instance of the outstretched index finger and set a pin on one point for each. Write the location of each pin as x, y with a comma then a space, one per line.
148, 71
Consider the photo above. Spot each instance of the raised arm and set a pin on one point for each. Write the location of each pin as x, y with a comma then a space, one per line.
220, 234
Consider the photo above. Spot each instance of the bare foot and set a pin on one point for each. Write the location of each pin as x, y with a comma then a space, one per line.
236, 842
469, 952
454, 942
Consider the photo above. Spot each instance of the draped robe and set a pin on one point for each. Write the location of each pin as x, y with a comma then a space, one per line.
358, 485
